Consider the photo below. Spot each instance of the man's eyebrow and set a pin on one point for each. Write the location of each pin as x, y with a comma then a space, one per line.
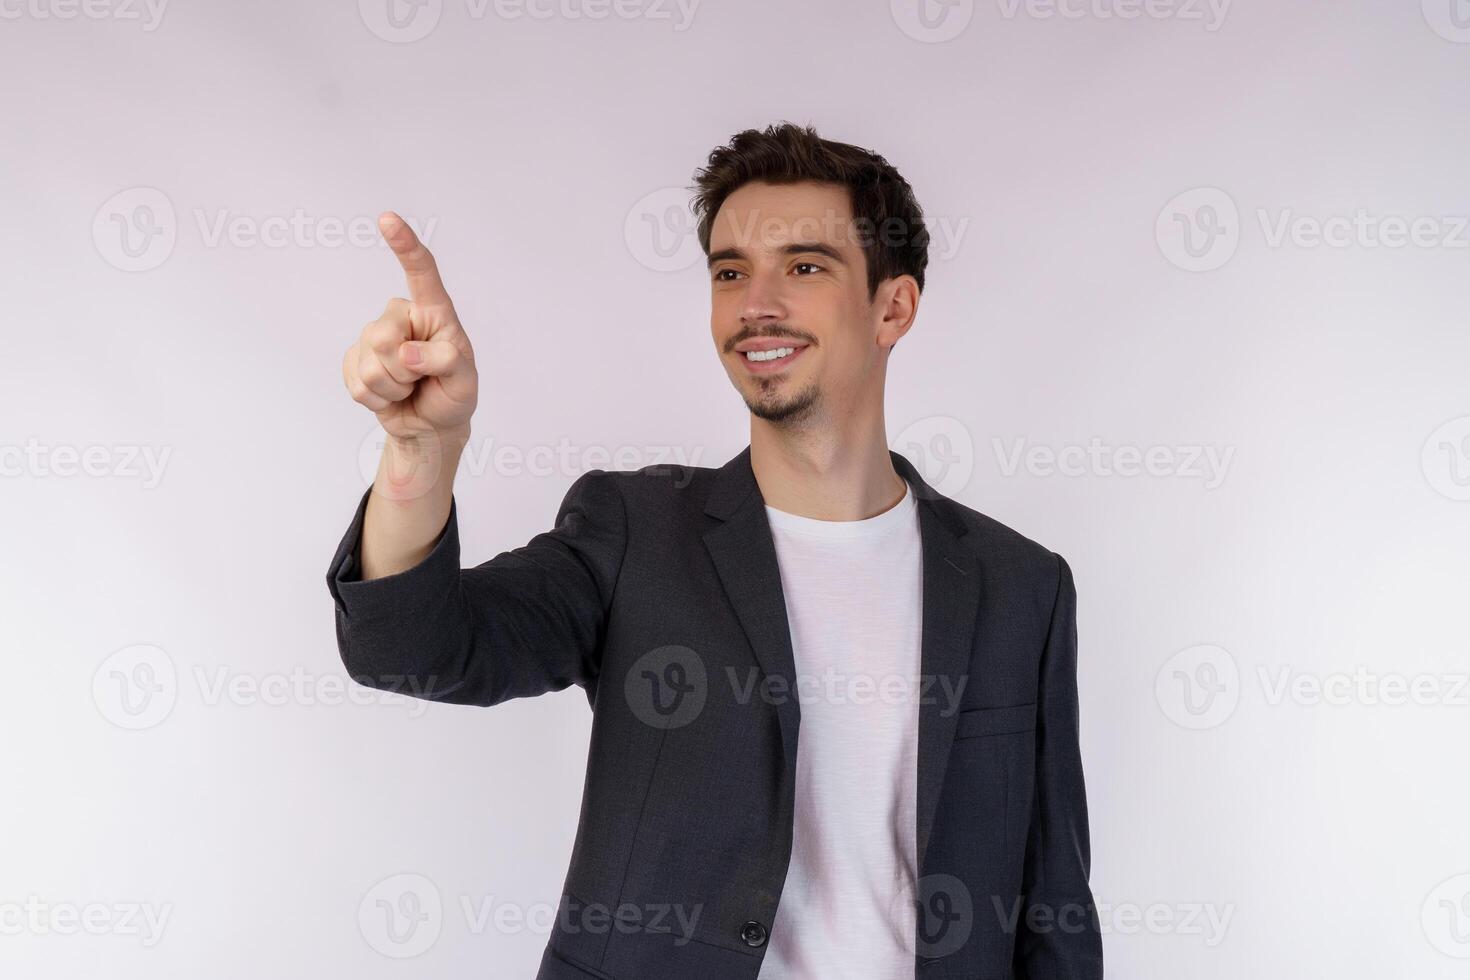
794, 248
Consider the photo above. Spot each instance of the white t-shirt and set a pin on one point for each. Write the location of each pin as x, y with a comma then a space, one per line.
854, 593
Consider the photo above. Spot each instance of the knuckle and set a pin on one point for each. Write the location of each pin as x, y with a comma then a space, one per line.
372, 372
382, 335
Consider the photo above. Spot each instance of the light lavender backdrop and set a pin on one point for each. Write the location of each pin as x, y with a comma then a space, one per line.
1220, 248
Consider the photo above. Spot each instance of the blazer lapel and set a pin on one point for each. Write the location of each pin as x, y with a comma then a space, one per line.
952, 593
745, 558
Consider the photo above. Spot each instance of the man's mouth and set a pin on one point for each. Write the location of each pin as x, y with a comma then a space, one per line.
774, 354
765, 357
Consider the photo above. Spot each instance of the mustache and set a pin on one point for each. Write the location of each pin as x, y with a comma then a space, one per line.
779, 331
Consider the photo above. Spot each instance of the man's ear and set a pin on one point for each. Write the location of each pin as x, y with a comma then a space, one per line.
897, 303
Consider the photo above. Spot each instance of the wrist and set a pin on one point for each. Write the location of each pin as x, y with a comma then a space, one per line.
420, 465
428, 441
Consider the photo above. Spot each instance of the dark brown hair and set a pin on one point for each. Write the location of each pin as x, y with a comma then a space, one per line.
888, 221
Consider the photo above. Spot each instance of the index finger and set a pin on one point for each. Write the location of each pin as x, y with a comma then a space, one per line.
424, 284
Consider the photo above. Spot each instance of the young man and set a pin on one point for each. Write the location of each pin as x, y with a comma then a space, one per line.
834, 713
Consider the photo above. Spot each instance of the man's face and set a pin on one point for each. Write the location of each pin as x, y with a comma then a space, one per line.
789, 282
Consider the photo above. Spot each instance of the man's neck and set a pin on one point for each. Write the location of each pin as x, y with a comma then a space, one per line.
828, 473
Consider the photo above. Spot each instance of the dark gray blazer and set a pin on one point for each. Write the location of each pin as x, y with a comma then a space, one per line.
658, 594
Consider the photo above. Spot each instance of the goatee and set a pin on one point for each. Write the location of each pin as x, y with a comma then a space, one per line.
791, 410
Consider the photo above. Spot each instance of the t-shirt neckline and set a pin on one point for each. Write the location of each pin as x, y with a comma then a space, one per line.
882, 523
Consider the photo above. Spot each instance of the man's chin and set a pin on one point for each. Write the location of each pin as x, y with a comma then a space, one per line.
781, 408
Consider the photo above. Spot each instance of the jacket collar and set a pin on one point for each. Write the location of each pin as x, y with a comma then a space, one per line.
735, 481
744, 555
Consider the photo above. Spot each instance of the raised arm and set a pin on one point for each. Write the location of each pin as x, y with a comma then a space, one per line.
409, 619
414, 368
527, 621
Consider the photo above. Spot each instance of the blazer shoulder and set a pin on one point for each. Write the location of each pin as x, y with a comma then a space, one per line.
663, 488
1009, 551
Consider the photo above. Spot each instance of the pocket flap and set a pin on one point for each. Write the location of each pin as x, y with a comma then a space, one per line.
996, 721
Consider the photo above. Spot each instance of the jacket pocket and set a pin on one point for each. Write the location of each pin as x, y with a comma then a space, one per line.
996, 721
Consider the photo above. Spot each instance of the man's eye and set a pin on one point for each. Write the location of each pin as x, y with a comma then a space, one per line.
720, 274
810, 265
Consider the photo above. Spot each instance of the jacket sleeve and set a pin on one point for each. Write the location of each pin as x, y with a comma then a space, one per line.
1059, 935
527, 621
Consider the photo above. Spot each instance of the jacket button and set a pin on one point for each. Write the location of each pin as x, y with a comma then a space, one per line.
753, 933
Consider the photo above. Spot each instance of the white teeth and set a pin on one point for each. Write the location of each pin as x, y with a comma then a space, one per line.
768, 355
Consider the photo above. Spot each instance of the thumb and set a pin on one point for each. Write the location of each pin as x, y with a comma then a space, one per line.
429, 357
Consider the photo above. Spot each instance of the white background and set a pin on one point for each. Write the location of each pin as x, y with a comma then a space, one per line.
1067, 149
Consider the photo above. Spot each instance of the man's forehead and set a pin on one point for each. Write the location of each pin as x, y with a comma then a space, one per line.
766, 216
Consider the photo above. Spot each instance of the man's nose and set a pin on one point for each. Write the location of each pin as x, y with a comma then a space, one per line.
763, 299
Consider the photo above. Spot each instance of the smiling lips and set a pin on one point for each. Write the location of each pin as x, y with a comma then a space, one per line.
768, 355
